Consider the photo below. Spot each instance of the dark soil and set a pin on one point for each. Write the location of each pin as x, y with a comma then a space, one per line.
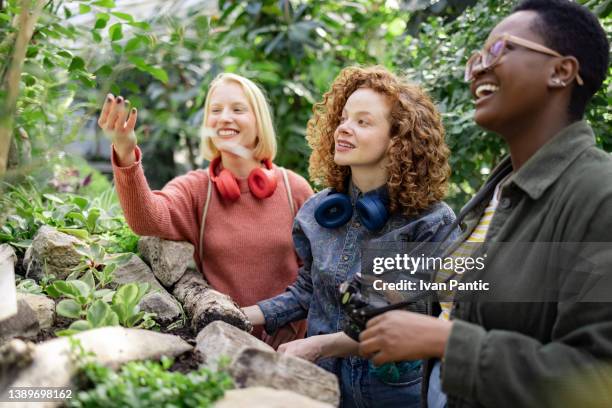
60, 323
186, 362
183, 332
19, 269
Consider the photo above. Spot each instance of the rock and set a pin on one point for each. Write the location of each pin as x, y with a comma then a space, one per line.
14, 355
158, 300
205, 305
255, 367
254, 363
8, 300
262, 397
222, 339
51, 251
113, 346
24, 323
43, 307
168, 259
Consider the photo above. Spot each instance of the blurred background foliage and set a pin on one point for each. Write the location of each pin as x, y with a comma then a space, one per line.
163, 56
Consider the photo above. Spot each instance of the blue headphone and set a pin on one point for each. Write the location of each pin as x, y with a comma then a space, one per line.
336, 209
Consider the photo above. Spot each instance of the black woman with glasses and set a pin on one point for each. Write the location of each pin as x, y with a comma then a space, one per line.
544, 217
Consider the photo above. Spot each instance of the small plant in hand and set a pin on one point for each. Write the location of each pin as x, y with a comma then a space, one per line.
145, 384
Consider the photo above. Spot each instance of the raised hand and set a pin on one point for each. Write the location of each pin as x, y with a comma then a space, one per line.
117, 121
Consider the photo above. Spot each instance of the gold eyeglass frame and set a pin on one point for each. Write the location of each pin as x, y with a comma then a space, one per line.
508, 38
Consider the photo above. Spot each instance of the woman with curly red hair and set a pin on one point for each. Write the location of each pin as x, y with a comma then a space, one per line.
378, 145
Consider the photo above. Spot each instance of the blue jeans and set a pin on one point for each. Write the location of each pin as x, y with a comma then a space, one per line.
436, 398
361, 388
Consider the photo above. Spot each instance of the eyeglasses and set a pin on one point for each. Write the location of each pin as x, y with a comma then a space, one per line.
491, 55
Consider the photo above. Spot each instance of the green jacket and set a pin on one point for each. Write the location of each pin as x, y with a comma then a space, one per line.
551, 350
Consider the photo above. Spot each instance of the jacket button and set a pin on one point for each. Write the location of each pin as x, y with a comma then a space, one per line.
505, 203
357, 224
345, 257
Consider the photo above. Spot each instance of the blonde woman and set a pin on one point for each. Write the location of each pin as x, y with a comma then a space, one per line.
245, 202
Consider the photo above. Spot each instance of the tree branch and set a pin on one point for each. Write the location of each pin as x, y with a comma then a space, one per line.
28, 16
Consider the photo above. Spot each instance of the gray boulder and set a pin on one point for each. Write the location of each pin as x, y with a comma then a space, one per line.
222, 339
255, 367
23, 324
52, 365
52, 252
158, 300
14, 356
262, 397
168, 259
42, 306
253, 363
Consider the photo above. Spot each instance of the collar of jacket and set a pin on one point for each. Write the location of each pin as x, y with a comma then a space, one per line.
356, 193
550, 161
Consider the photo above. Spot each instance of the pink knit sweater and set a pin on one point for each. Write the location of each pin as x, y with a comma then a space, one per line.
248, 249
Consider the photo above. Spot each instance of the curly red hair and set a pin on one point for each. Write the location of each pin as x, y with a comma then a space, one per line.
418, 156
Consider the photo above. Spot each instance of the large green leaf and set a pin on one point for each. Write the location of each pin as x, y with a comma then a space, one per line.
83, 288
115, 32
65, 288
79, 233
127, 294
100, 314
68, 308
89, 280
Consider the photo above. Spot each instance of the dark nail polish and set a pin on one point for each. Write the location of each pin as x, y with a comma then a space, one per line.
119, 100
109, 98
133, 110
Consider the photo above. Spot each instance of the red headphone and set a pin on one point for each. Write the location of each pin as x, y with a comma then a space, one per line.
261, 183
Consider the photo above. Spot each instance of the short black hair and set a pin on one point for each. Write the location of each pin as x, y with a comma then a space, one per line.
571, 29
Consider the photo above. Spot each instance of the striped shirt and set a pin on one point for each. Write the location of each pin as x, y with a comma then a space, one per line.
465, 249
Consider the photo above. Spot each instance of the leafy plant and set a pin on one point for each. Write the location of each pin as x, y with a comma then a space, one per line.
120, 240
96, 262
145, 384
79, 296
125, 305
28, 209
28, 286
83, 301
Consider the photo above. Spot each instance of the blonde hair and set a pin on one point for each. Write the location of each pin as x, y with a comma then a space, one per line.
265, 144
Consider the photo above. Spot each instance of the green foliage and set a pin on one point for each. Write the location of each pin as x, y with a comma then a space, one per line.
96, 262
86, 294
83, 300
25, 209
62, 76
120, 240
125, 305
28, 286
435, 57
145, 384
293, 48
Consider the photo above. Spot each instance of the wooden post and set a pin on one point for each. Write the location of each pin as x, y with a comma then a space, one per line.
28, 16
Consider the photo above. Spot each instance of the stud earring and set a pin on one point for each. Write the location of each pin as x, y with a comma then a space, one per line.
559, 82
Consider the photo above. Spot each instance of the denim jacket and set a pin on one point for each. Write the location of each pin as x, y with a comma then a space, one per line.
331, 256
